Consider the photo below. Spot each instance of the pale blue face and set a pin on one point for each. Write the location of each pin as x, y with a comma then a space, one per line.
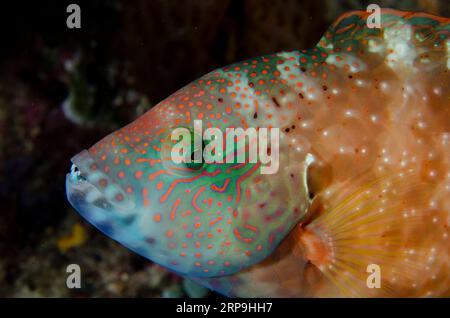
199, 219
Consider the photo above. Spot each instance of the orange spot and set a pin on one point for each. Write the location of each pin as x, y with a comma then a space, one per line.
157, 217
138, 174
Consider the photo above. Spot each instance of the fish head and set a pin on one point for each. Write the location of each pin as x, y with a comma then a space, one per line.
206, 218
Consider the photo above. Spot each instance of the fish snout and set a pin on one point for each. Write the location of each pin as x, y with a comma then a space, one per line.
95, 195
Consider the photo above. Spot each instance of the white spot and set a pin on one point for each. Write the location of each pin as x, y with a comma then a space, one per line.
437, 91
349, 113
305, 124
421, 125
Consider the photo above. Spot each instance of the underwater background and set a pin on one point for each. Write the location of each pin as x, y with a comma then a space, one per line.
63, 89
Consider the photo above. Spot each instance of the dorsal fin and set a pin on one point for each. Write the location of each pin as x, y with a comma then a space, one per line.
404, 38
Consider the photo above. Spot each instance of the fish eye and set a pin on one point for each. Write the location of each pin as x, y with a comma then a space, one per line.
188, 163
195, 165
191, 164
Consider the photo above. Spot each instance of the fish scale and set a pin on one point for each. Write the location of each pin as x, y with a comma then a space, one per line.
363, 173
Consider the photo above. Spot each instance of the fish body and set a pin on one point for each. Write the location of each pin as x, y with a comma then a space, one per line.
362, 183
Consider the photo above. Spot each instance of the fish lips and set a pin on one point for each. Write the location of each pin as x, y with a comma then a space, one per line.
96, 196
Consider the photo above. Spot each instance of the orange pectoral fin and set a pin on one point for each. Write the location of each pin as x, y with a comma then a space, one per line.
384, 221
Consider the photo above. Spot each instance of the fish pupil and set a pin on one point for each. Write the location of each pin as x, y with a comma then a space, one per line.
196, 165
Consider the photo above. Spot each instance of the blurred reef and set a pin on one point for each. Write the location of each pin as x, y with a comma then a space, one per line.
62, 89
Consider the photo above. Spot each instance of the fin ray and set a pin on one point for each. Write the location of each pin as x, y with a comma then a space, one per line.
376, 224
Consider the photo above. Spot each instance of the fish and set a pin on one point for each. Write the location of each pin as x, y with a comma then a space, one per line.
359, 204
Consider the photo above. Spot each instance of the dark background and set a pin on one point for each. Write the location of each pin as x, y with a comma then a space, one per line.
63, 89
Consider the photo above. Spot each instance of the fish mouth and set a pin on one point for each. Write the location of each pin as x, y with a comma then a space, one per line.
94, 195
